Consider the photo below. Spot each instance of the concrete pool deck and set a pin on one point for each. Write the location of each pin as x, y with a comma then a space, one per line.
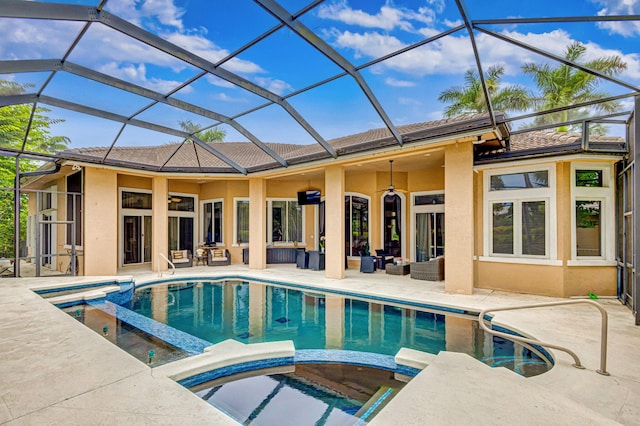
54, 370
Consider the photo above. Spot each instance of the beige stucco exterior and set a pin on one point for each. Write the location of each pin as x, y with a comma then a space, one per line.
445, 167
100, 222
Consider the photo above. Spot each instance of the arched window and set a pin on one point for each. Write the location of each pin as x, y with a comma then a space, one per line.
392, 224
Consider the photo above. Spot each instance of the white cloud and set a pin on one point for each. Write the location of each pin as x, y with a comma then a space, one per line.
226, 98
137, 74
31, 39
217, 81
388, 18
276, 86
390, 81
409, 101
620, 7
453, 55
208, 50
452, 24
166, 12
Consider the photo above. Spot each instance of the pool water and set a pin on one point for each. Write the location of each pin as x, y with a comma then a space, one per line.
252, 312
314, 394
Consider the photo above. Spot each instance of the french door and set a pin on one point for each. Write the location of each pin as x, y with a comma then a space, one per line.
429, 238
181, 233
428, 226
136, 239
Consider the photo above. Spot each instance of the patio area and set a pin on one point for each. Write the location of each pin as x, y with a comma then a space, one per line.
90, 381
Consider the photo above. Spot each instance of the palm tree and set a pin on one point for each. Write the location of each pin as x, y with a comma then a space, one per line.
564, 85
210, 135
470, 99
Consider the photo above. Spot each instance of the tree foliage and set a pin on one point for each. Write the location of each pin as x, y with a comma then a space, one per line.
563, 85
209, 135
557, 85
14, 121
470, 99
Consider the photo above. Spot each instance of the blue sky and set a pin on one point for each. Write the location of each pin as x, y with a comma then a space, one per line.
407, 86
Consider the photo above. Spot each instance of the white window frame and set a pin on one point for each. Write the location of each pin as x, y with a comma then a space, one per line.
606, 195
270, 224
236, 200
517, 197
202, 224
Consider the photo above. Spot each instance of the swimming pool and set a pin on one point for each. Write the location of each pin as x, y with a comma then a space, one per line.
253, 312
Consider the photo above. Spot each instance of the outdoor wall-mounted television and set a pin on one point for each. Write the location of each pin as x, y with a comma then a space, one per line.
311, 196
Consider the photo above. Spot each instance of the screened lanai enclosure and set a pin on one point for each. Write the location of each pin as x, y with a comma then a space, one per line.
92, 81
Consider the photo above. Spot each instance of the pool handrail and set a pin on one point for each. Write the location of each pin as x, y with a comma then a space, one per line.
577, 364
169, 262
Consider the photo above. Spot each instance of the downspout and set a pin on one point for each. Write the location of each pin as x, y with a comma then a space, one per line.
16, 209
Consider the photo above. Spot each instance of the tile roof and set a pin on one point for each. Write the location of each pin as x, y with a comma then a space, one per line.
192, 157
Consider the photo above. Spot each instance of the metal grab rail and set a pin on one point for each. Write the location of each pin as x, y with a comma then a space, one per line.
168, 261
577, 364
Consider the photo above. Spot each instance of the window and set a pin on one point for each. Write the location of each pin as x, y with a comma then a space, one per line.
212, 213
181, 203
588, 226
593, 213
513, 181
518, 218
589, 178
242, 221
356, 224
136, 200
285, 218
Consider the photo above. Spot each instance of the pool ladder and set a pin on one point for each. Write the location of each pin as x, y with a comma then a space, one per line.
577, 364
162, 256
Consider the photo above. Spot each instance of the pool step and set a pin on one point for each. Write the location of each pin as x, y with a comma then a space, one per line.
376, 403
80, 295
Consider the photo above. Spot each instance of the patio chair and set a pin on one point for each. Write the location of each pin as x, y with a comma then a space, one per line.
181, 258
383, 258
218, 257
431, 270
367, 263
302, 259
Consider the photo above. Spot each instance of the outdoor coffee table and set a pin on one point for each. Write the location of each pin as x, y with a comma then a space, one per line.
397, 269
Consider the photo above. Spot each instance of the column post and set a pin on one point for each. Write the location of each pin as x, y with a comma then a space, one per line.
257, 223
334, 222
101, 218
458, 218
160, 223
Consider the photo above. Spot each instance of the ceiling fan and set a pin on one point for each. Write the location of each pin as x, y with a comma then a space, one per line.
391, 189
173, 199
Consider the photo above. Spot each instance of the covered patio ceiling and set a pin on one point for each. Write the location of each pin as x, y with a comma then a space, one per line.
124, 75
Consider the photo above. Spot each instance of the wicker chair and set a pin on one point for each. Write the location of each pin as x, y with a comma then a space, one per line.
181, 258
431, 270
218, 257
367, 263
